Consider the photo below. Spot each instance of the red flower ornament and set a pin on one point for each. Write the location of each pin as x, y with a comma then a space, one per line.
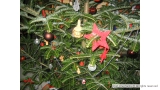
101, 42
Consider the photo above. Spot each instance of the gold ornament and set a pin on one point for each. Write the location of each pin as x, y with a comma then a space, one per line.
61, 58
76, 32
46, 42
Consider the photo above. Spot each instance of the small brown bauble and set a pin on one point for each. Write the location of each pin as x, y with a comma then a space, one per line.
107, 72
61, 26
92, 10
48, 36
22, 58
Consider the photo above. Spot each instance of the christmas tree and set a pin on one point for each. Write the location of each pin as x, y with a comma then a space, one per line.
80, 45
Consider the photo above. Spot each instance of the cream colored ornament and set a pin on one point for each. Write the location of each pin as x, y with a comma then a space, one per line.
76, 32
46, 42
61, 58
78, 70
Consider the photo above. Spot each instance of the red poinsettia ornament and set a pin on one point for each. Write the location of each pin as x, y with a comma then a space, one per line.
101, 42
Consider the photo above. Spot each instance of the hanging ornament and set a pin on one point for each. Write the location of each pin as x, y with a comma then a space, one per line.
61, 58
83, 81
130, 25
46, 42
42, 44
78, 70
114, 27
61, 26
48, 36
107, 72
137, 6
29, 80
81, 63
43, 13
78, 52
109, 84
76, 5
98, 1
132, 54
22, 58
92, 10
133, 8
50, 66
76, 32
117, 59
92, 67
100, 42
54, 44
36, 41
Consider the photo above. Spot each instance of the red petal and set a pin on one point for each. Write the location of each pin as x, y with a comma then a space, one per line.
103, 43
103, 55
95, 44
95, 31
104, 34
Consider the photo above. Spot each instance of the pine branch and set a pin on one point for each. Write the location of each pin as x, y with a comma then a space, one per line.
124, 37
29, 10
